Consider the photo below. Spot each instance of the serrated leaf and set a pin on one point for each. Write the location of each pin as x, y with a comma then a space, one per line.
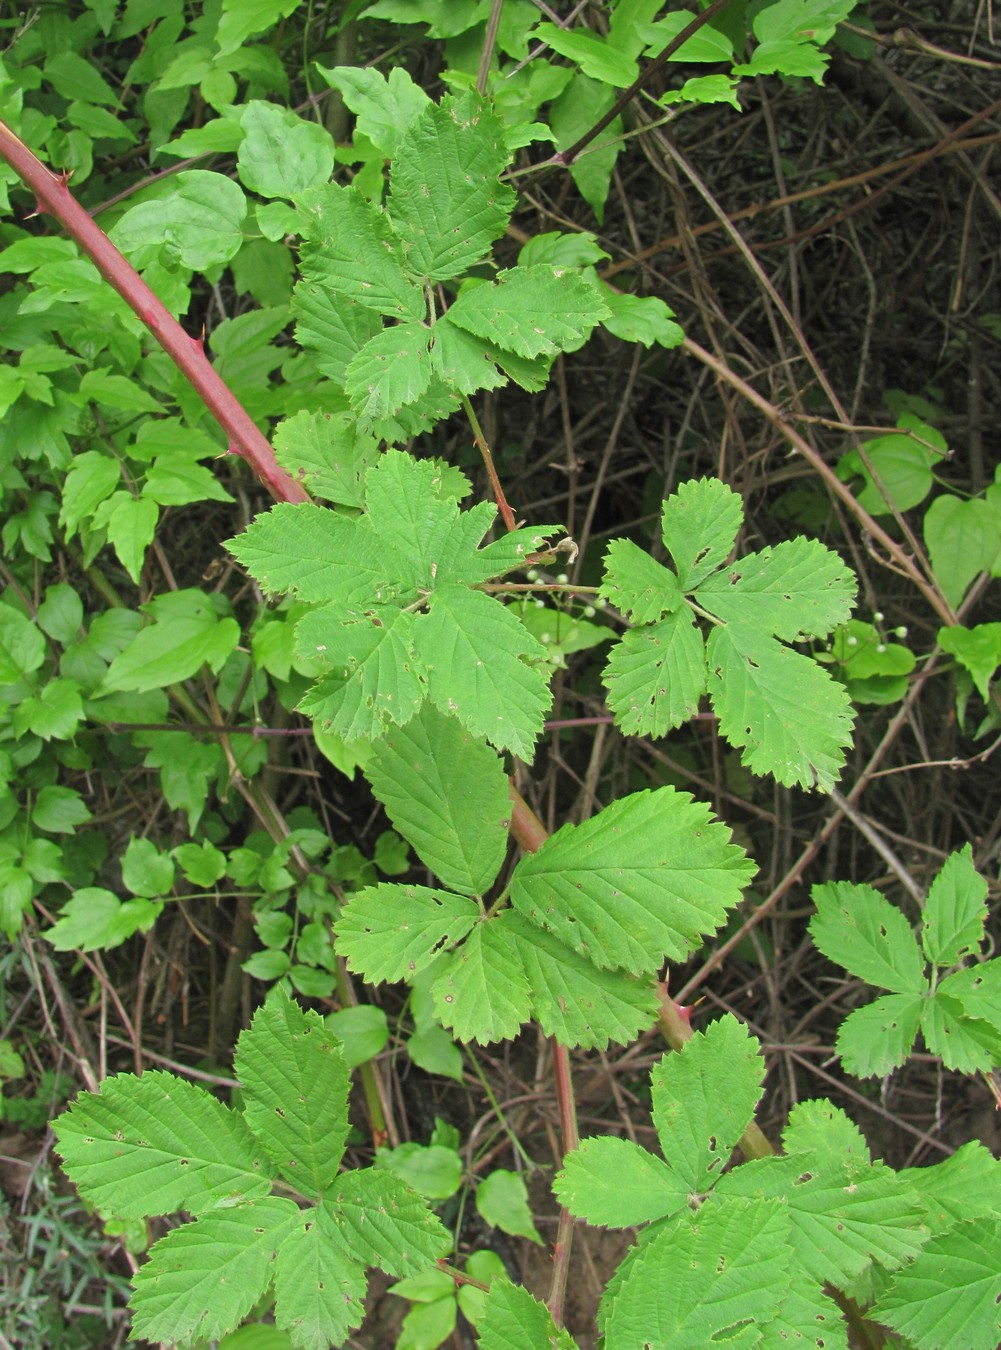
573, 1000
808, 1318
296, 1087
797, 589
637, 584
699, 528
641, 882
203, 1278
332, 326
473, 647
447, 201
656, 675
319, 1287
155, 1145
859, 929
328, 453
613, 1183
966, 1043
392, 370
482, 993
462, 361
738, 1266
922, 1302
447, 794
703, 1098
382, 1222
532, 311
375, 679
960, 1188
878, 1038
783, 710
390, 932
512, 1317
978, 989
953, 922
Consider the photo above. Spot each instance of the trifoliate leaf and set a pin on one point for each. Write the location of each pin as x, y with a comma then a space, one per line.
532, 311
296, 1086
878, 1038
482, 993
656, 675
641, 882
699, 528
382, 1222
703, 1098
512, 1317
473, 649
447, 794
157, 1144
392, 370
390, 932
797, 589
613, 1183
202, 1279
859, 929
328, 453
922, 1304
790, 718
954, 916
447, 202
319, 1286
637, 584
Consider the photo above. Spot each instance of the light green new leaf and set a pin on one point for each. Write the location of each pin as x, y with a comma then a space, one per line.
91, 479
963, 538
447, 201
878, 1038
201, 216
375, 679
656, 675
699, 528
242, 18
532, 311
576, 1002
155, 1145
703, 1099
955, 913
641, 882
596, 56
922, 1304
447, 794
317, 554
512, 1317
391, 932
94, 919
384, 107
641, 318
473, 648
786, 713
790, 34
131, 526
332, 326
296, 1084
859, 929
282, 155
319, 1285
613, 1183
502, 1202
968, 1044
637, 584
482, 993
382, 1222
189, 635
351, 247
797, 589
202, 1279
328, 453
977, 650
738, 1265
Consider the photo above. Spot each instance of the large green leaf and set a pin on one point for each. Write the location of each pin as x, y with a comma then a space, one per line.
949, 1297
797, 589
319, 1285
643, 881
282, 154
532, 311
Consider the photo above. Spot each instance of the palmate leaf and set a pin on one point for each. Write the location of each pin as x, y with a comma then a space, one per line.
656, 675
641, 882
790, 718
949, 1297
532, 311
391, 932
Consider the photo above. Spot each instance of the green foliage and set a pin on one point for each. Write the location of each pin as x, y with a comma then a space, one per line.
156, 1144
958, 1014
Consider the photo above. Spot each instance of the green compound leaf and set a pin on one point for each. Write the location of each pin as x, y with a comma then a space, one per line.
532, 311
637, 584
797, 589
482, 993
296, 1085
474, 650
955, 913
703, 1099
447, 201
859, 929
447, 794
392, 370
613, 1183
154, 1145
464, 362
656, 675
699, 528
878, 1038
512, 1317
790, 718
319, 1286
650, 864
382, 1222
203, 1278
738, 1264
922, 1303
391, 932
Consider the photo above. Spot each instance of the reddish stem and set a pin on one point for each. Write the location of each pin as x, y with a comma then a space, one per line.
187, 353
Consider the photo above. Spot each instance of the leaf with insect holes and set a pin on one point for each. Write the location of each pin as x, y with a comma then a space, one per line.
531, 311
699, 528
797, 589
656, 675
391, 932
